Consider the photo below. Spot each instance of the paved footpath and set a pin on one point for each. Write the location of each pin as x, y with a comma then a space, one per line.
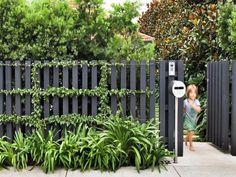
206, 161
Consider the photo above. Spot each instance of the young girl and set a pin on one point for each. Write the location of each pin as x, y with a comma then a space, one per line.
191, 109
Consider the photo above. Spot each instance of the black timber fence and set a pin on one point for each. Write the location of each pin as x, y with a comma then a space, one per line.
221, 105
34, 90
33, 93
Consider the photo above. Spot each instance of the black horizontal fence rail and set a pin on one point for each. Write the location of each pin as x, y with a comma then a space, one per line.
55, 94
167, 106
218, 105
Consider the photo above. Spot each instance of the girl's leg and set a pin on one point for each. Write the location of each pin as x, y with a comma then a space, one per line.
186, 139
191, 140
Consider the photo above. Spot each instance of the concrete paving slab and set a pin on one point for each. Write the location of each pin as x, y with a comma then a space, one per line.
126, 172
205, 161
36, 172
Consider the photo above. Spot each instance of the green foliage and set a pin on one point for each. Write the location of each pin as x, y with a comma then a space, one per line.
188, 30
49, 30
12, 13
120, 48
114, 143
21, 149
165, 20
202, 121
52, 30
226, 28
45, 150
5, 152
139, 142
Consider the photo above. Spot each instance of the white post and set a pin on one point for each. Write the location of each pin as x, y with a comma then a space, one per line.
176, 131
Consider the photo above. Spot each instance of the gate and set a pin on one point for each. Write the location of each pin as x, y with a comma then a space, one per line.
221, 105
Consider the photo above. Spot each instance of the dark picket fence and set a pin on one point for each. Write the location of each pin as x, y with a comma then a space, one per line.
130, 76
221, 105
21, 80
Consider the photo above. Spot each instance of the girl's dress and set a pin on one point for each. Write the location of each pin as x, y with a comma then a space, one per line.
190, 115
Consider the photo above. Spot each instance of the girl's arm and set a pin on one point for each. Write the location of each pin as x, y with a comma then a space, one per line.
195, 107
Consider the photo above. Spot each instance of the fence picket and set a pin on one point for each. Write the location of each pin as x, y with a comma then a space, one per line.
8, 81
1, 98
143, 95
85, 86
18, 107
123, 85
113, 86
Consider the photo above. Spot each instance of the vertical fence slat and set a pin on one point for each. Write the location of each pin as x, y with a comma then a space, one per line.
75, 85
233, 117
171, 115
85, 86
217, 104
162, 100
123, 85
213, 101
65, 109
18, 107
143, 95
113, 86
1, 97
180, 110
55, 99
133, 87
225, 105
208, 102
220, 105
152, 74
27, 77
8, 79
46, 106
94, 85
55, 84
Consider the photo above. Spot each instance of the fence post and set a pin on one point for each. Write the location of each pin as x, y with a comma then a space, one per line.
171, 113
167, 108
180, 76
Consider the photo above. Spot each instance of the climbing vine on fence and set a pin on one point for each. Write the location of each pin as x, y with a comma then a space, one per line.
38, 93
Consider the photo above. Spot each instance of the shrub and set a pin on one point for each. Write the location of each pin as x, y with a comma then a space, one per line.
52, 30
226, 29
115, 143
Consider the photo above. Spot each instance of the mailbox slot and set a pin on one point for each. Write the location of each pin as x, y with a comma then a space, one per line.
178, 88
